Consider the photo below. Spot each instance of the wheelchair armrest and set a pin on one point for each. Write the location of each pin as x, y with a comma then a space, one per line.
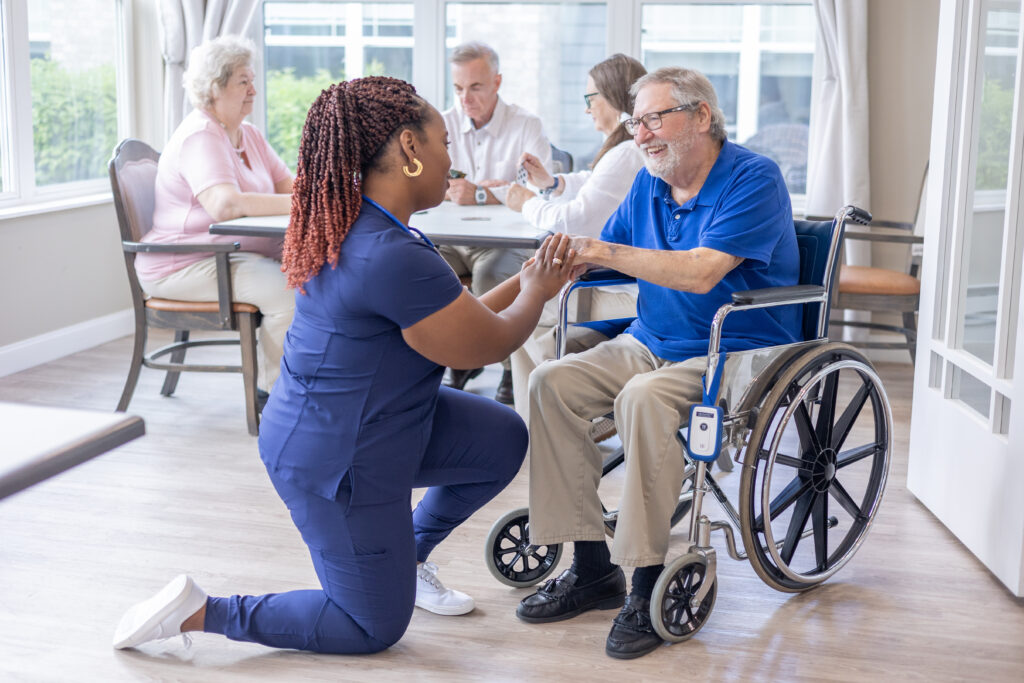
891, 238
776, 296
192, 248
606, 276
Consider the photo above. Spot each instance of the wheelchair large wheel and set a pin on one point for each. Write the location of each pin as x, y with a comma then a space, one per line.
822, 433
672, 616
509, 556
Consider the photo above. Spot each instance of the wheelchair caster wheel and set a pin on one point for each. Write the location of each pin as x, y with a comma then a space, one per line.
509, 556
673, 616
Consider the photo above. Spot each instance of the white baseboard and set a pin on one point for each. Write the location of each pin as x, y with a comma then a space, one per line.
65, 341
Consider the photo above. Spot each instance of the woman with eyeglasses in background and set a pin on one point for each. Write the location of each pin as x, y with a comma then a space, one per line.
580, 204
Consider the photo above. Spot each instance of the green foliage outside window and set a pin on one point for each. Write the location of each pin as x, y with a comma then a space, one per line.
288, 100
994, 137
74, 121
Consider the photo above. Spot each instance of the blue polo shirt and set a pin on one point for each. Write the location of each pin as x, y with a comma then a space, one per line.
354, 399
743, 209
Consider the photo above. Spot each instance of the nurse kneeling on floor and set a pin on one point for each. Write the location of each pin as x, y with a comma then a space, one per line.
358, 417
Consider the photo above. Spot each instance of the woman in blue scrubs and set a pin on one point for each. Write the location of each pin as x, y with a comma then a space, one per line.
359, 416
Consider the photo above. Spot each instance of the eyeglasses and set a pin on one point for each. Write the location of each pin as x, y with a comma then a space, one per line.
652, 121
590, 96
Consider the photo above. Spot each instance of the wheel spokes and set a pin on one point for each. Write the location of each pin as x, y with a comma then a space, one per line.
849, 416
808, 438
796, 525
854, 454
827, 413
819, 512
786, 497
840, 494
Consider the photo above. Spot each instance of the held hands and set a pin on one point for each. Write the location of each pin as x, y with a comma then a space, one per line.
550, 268
535, 171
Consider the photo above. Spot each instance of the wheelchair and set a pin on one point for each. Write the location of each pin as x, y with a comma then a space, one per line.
807, 422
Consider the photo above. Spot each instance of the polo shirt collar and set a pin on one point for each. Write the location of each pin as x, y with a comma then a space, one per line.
713, 185
496, 122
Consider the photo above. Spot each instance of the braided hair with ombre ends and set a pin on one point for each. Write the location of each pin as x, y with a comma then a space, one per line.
347, 131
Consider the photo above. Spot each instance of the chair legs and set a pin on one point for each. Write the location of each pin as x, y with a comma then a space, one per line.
177, 356
138, 351
247, 331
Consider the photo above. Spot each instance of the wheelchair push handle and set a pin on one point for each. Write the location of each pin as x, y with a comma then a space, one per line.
854, 213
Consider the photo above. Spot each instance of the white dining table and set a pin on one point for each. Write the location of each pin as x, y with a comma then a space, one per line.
491, 225
39, 442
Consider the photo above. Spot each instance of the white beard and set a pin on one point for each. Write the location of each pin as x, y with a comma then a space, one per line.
676, 150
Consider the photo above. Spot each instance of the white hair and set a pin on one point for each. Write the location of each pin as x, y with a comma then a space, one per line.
467, 52
688, 87
211, 64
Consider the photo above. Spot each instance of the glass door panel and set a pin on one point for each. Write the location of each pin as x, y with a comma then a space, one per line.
986, 218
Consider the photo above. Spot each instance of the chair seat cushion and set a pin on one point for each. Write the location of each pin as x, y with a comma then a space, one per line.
867, 280
175, 306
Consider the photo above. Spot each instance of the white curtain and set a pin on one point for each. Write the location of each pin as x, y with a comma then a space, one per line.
838, 170
185, 24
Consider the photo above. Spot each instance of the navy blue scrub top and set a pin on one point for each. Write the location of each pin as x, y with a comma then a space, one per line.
354, 398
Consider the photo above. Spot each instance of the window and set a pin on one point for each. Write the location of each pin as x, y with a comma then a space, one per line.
59, 76
546, 50
759, 57
309, 45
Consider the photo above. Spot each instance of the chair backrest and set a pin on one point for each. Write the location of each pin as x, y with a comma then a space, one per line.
133, 182
561, 160
818, 243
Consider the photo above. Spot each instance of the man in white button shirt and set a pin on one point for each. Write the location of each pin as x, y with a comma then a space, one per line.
488, 136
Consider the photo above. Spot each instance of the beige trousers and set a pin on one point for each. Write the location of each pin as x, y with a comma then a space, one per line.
651, 398
488, 266
605, 303
256, 280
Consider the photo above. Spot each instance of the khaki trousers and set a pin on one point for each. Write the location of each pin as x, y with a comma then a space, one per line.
651, 398
605, 303
488, 266
256, 280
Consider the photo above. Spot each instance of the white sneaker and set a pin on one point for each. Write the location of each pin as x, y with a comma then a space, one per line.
162, 615
432, 596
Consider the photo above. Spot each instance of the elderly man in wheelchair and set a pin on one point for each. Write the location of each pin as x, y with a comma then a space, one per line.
707, 229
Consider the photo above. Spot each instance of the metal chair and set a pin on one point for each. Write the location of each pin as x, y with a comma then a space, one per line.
561, 160
882, 290
133, 180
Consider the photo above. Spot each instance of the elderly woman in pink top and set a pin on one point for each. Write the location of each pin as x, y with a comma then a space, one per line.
214, 168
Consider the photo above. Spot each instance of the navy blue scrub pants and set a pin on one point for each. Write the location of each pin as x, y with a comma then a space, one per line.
365, 555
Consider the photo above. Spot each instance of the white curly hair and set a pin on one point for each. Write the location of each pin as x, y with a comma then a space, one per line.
211, 64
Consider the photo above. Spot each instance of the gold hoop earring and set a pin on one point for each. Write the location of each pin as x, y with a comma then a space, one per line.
413, 174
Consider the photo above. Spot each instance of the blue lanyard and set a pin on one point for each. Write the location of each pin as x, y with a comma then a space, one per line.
408, 228
711, 384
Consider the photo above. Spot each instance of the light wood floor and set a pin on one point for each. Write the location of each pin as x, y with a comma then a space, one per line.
192, 496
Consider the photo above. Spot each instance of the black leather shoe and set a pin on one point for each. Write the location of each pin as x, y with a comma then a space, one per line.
563, 598
632, 634
504, 392
457, 378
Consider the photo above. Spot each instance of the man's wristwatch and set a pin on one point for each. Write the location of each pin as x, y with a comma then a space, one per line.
546, 192
480, 195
